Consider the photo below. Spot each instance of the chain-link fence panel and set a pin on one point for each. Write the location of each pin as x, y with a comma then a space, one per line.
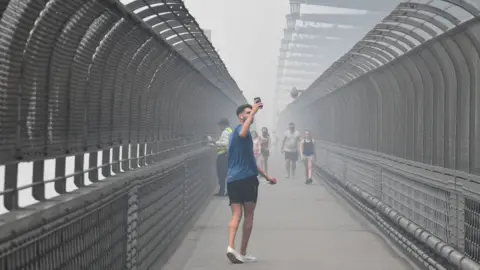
102, 124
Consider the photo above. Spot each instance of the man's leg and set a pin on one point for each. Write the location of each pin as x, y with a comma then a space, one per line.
262, 162
233, 224
234, 190
250, 195
249, 209
221, 175
305, 162
265, 163
310, 168
294, 162
287, 164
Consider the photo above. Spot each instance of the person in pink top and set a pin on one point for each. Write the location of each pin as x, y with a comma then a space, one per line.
257, 147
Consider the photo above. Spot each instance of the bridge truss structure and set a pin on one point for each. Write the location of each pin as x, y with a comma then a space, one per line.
396, 118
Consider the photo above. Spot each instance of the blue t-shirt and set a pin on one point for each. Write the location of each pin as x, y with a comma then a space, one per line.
241, 161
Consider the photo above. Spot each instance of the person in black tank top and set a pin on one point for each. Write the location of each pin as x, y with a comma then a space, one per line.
266, 143
307, 149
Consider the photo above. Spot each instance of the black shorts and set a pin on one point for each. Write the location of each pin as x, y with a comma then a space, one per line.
293, 156
242, 191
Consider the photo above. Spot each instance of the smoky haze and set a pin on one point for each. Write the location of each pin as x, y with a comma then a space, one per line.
247, 36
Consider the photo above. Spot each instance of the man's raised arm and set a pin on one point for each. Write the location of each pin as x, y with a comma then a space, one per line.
248, 122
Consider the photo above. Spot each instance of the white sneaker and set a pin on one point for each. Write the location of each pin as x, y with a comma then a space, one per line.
234, 256
249, 258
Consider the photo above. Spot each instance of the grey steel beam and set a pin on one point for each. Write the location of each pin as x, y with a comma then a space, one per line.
380, 46
318, 43
401, 29
374, 5
305, 50
377, 33
415, 7
325, 32
389, 41
302, 68
414, 23
465, 5
304, 58
306, 77
420, 16
341, 19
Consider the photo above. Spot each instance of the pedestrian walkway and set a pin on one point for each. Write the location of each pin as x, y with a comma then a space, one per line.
297, 227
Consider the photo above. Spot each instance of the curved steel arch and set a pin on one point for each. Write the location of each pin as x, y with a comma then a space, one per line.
366, 43
392, 42
465, 6
376, 53
172, 21
412, 7
420, 16
401, 29
399, 25
368, 59
414, 23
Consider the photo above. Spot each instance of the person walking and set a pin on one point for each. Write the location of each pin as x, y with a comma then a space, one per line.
290, 146
307, 151
222, 155
242, 182
266, 144
257, 147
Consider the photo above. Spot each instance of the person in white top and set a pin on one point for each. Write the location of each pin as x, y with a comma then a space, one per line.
290, 146
266, 144
257, 147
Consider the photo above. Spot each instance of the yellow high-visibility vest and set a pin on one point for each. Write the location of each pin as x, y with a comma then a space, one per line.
221, 149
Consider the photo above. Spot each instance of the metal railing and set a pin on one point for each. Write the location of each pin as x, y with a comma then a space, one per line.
102, 159
429, 205
398, 117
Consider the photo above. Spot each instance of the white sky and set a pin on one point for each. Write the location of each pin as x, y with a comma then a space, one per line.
247, 36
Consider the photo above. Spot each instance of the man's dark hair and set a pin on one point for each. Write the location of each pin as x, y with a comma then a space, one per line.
224, 122
242, 108
291, 124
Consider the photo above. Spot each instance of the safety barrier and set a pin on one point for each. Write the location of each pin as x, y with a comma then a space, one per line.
398, 116
417, 101
127, 221
412, 202
102, 124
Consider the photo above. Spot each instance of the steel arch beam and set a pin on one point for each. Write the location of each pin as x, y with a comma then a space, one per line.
415, 24
394, 36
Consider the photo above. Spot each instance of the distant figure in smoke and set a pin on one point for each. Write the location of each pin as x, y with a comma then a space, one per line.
257, 147
307, 151
222, 158
290, 148
266, 144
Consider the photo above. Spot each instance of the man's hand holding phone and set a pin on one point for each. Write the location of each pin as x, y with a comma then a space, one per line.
256, 107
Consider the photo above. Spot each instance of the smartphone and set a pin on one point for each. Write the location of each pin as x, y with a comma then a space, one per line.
258, 100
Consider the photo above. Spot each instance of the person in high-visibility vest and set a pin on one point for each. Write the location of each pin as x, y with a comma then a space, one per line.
222, 155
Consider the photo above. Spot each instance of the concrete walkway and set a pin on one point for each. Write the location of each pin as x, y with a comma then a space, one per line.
297, 227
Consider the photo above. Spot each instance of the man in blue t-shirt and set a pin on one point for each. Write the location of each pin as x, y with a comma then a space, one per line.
242, 182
